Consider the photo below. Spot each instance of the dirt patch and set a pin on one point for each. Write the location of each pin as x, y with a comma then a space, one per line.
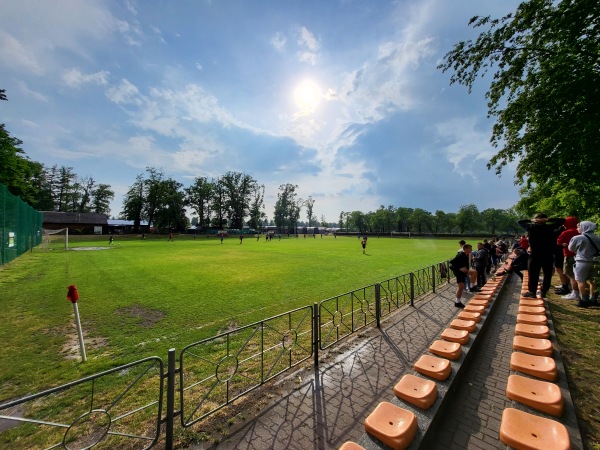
147, 317
90, 248
70, 349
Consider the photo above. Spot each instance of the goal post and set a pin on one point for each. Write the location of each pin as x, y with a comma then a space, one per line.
56, 239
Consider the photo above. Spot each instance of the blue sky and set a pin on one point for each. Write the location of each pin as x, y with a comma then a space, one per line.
341, 97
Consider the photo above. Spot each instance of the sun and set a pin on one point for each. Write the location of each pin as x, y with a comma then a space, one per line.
307, 96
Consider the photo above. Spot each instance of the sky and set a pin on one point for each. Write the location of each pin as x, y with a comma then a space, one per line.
340, 97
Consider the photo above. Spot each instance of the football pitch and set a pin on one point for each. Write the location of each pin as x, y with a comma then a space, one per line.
139, 298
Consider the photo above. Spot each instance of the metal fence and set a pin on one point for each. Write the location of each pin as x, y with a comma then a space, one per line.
20, 226
216, 371
212, 373
106, 411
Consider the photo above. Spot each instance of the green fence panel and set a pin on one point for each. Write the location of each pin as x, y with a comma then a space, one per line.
20, 226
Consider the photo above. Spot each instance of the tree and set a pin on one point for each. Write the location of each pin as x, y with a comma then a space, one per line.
65, 193
102, 194
310, 203
133, 203
420, 220
238, 188
152, 193
256, 207
169, 210
492, 219
402, 216
199, 198
18, 173
286, 210
544, 93
219, 198
467, 218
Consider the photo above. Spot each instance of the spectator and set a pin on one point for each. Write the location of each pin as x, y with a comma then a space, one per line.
488, 247
559, 262
524, 242
542, 242
460, 267
467, 281
480, 259
569, 257
518, 264
586, 247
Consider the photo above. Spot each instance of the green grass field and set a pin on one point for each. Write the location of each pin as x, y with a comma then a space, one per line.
141, 297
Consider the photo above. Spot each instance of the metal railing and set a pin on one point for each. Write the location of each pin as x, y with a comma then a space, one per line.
216, 371
86, 413
212, 373
344, 314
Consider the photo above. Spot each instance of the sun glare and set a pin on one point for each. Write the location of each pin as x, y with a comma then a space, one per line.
307, 96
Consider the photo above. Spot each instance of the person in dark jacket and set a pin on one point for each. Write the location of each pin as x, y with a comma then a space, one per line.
460, 267
542, 242
518, 264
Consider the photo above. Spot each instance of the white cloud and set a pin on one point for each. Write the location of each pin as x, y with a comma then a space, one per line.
309, 47
307, 39
31, 94
75, 78
124, 94
20, 56
463, 144
278, 41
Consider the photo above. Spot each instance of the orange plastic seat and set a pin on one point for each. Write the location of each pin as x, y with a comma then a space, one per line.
453, 335
416, 391
538, 366
521, 430
479, 302
434, 367
532, 310
488, 290
534, 331
459, 324
480, 296
394, 426
351, 446
531, 302
541, 395
533, 346
532, 319
466, 315
445, 349
474, 308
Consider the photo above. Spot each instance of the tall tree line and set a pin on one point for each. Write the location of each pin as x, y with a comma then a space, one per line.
232, 200
468, 219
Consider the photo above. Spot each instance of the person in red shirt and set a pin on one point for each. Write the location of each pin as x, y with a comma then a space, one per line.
563, 241
524, 242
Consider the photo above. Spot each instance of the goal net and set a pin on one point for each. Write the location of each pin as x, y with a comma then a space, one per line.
56, 239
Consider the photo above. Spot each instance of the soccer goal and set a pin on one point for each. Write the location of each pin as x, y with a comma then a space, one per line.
56, 239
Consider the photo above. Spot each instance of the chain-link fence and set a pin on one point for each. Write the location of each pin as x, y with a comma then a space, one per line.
20, 226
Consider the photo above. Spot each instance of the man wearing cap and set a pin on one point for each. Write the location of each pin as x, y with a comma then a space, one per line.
542, 242
586, 246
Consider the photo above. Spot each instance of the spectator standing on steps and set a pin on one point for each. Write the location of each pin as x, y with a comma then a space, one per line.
586, 246
542, 242
480, 259
563, 241
460, 267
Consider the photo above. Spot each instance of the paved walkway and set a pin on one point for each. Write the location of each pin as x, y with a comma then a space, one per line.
328, 406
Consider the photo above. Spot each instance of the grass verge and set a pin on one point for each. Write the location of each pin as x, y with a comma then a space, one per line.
578, 332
